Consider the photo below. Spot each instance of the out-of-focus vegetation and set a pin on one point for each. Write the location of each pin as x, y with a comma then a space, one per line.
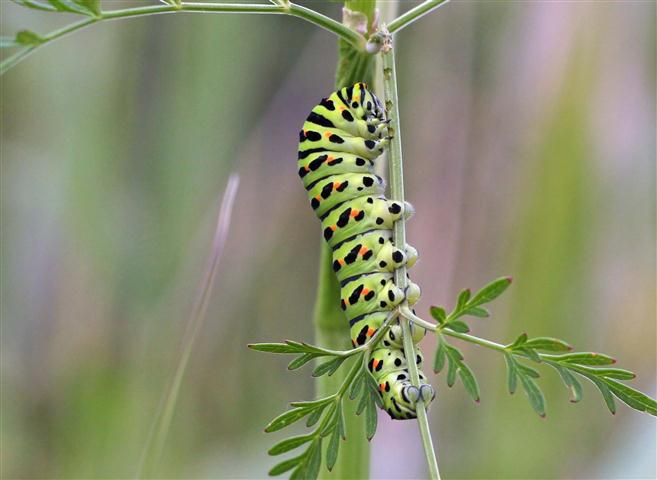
529, 148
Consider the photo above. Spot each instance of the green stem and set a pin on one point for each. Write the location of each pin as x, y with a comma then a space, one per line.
414, 14
331, 326
350, 36
396, 179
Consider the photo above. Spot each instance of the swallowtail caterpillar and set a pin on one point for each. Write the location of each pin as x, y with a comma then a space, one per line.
338, 146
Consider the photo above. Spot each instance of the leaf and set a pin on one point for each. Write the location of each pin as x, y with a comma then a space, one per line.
28, 38
606, 393
314, 403
332, 449
300, 361
463, 298
458, 326
356, 386
438, 313
314, 417
490, 292
534, 394
328, 367
290, 444
529, 352
617, 373
529, 371
287, 418
522, 338
36, 5
477, 312
286, 465
370, 418
469, 381
571, 382
314, 460
92, 6
585, 358
451, 371
439, 360
275, 348
633, 398
512, 373
362, 403
548, 344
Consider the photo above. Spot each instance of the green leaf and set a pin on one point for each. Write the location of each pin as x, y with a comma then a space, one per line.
571, 382
91, 6
328, 367
548, 344
490, 292
606, 393
480, 312
339, 414
332, 449
370, 418
452, 368
512, 373
529, 371
586, 358
314, 460
633, 398
458, 326
356, 386
362, 402
332, 423
290, 444
522, 338
438, 313
534, 394
275, 348
529, 352
463, 298
439, 360
469, 381
28, 38
36, 5
617, 373
286, 465
300, 361
287, 418
314, 417
314, 403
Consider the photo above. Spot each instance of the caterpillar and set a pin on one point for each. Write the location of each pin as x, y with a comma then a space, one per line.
338, 144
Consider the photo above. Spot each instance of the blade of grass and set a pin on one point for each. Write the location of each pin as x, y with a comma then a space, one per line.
158, 434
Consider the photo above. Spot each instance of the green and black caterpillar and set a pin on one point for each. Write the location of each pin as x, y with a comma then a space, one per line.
338, 145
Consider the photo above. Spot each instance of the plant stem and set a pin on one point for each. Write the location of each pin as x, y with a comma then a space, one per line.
331, 326
396, 179
414, 14
158, 434
353, 38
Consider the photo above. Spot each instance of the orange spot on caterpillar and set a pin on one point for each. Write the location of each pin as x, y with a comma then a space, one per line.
354, 213
307, 168
333, 227
318, 198
365, 291
375, 363
329, 158
342, 108
336, 185
370, 331
382, 387
341, 261
362, 251
327, 134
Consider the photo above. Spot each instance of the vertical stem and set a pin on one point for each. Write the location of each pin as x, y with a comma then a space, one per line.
396, 180
331, 326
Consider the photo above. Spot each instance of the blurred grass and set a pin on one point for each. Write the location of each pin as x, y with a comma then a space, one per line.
529, 139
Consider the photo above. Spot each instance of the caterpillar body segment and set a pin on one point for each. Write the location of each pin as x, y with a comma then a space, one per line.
338, 146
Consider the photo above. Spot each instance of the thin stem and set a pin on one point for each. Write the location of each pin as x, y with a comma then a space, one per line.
396, 179
476, 340
158, 434
414, 14
342, 31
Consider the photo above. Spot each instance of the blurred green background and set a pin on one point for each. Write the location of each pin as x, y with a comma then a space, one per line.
529, 139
